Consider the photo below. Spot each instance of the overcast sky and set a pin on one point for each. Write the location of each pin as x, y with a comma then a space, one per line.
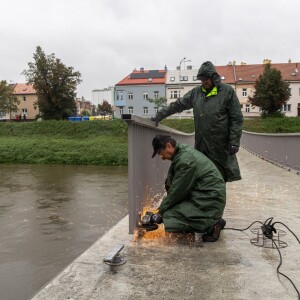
106, 39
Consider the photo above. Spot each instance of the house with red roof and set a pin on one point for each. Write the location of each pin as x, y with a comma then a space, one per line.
133, 91
27, 107
242, 78
28, 101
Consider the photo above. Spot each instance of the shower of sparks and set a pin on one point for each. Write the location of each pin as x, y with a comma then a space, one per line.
159, 235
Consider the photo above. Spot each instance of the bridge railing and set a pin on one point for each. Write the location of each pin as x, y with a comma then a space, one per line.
146, 175
282, 149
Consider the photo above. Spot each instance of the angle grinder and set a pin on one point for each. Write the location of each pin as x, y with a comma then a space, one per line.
150, 220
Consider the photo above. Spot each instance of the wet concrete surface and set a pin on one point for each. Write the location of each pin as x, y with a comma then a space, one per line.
232, 268
49, 215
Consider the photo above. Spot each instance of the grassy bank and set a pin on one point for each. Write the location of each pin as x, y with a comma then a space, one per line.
97, 142
62, 142
273, 125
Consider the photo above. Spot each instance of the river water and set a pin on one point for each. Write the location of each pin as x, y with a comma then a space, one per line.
50, 214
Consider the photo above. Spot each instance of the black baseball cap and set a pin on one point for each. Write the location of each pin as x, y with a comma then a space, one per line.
159, 142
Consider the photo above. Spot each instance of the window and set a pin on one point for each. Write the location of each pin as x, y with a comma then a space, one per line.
244, 92
156, 94
155, 110
145, 95
242, 106
173, 79
119, 96
290, 91
121, 111
24, 98
287, 107
130, 96
183, 78
130, 109
247, 107
174, 94
299, 91
195, 78
145, 110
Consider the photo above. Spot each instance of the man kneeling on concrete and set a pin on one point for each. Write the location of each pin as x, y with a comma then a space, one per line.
196, 193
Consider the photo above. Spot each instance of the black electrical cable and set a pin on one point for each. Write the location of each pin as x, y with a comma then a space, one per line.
278, 267
244, 228
268, 228
288, 230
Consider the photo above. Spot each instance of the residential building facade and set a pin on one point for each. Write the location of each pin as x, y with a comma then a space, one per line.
242, 78
27, 96
132, 93
99, 95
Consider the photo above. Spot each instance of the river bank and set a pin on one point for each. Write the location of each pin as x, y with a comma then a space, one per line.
100, 143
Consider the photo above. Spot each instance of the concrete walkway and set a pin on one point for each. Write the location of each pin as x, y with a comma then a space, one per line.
232, 268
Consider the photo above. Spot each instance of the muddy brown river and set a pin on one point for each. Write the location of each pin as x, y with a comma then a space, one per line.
50, 214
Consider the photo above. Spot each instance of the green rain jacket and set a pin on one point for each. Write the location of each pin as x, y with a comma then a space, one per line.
196, 196
218, 121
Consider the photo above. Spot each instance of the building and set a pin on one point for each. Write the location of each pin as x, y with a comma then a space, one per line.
132, 92
242, 78
83, 106
28, 98
178, 83
99, 95
27, 106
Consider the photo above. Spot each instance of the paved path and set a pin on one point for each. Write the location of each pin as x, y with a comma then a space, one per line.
232, 268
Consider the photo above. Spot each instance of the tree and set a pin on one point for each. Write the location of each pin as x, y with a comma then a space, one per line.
55, 84
158, 102
271, 92
105, 107
8, 100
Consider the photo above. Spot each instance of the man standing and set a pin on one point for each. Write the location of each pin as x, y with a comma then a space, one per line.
196, 194
218, 120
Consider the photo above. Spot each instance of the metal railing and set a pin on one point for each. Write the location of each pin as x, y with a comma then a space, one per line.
146, 175
282, 149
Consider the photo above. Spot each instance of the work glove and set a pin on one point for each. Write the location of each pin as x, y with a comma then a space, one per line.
156, 218
155, 119
233, 149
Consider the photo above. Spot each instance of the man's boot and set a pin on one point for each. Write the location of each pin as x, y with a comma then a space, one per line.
214, 234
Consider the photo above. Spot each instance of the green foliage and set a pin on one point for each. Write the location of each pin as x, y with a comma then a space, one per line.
159, 103
61, 142
55, 84
272, 125
65, 129
184, 125
85, 112
104, 107
8, 100
271, 92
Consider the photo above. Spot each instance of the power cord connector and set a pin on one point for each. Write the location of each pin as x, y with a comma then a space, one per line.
268, 229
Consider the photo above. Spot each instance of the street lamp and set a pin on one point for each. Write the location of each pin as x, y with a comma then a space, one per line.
184, 60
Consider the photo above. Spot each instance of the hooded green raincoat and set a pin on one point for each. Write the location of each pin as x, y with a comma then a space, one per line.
218, 121
196, 195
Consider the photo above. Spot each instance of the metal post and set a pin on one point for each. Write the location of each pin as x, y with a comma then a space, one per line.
146, 175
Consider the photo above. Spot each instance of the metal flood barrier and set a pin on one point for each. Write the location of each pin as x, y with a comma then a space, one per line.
146, 175
282, 149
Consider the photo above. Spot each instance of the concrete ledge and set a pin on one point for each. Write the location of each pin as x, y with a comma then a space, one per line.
231, 268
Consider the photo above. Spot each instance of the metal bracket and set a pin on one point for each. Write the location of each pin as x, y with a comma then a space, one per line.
113, 258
